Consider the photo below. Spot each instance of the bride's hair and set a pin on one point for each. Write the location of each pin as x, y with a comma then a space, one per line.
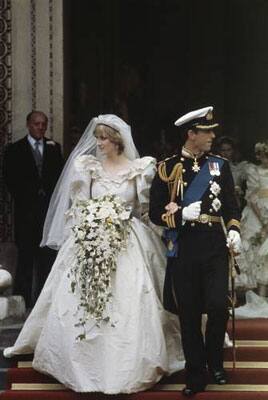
112, 134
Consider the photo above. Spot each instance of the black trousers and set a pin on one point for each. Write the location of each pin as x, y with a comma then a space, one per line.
33, 267
200, 282
34, 263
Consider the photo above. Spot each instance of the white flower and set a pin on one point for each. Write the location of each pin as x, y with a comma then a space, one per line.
97, 246
106, 212
89, 218
125, 215
216, 204
215, 188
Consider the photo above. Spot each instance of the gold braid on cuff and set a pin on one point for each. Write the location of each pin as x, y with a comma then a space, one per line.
169, 219
233, 222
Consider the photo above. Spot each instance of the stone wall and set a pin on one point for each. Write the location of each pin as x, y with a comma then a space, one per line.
31, 77
37, 63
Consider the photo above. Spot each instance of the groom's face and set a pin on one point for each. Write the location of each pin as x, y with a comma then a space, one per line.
202, 140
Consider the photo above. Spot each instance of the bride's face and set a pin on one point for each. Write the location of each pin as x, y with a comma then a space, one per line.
104, 144
263, 158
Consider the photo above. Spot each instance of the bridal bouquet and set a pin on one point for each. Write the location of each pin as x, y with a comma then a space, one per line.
101, 233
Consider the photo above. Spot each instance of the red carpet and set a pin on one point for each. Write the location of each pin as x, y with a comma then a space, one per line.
251, 373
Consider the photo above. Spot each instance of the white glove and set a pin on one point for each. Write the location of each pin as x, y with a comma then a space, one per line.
234, 241
191, 212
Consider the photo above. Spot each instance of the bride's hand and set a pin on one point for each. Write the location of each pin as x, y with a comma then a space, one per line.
172, 207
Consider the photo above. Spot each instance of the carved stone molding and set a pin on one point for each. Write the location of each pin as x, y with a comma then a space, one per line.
33, 52
37, 48
5, 112
51, 70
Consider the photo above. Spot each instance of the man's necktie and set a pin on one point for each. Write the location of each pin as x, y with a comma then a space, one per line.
38, 157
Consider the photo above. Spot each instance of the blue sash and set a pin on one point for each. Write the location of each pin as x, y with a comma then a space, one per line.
200, 182
194, 193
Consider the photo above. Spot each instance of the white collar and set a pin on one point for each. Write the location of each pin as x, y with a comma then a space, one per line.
40, 142
32, 140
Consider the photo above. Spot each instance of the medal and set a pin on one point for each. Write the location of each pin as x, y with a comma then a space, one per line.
195, 167
189, 154
214, 168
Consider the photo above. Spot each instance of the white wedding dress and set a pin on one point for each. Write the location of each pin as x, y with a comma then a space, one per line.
144, 343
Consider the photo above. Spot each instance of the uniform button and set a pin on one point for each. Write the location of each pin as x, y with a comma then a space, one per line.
210, 210
182, 159
193, 224
210, 224
179, 207
211, 196
185, 183
210, 182
183, 170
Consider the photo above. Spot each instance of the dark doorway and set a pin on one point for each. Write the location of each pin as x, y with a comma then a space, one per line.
150, 61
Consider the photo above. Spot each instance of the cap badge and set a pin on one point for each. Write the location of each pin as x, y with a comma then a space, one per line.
209, 116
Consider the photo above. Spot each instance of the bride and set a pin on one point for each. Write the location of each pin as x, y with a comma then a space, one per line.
141, 341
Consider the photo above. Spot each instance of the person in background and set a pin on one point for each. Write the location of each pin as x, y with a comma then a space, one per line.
31, 168
253, 260
227, 147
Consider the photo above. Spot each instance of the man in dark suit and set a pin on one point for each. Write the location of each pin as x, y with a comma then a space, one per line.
192, 195
31, 168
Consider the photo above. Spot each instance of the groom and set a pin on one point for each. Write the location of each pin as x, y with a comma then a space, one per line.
192, 193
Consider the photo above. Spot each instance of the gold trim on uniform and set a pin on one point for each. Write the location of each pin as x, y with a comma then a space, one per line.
173, 220
174, 179
208, 219
190, 154
233, 222
209, 116
206, 127
169, 219
218, 156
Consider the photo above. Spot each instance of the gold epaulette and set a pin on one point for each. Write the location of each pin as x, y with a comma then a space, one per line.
166, 159
176, 170
174, 179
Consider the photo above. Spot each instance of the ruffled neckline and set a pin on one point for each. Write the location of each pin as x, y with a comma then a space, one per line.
95, 167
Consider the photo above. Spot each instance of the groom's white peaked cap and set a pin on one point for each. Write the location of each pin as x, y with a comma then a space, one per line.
199, 119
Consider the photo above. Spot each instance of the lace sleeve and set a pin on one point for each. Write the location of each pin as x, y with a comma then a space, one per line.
143, 181
81, 182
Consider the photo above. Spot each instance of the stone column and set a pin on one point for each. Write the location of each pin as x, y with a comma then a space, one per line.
31, 77
37, 63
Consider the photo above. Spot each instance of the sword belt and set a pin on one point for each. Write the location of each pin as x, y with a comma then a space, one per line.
205, 219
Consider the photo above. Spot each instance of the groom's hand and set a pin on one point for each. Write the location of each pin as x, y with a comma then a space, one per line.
192, 212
